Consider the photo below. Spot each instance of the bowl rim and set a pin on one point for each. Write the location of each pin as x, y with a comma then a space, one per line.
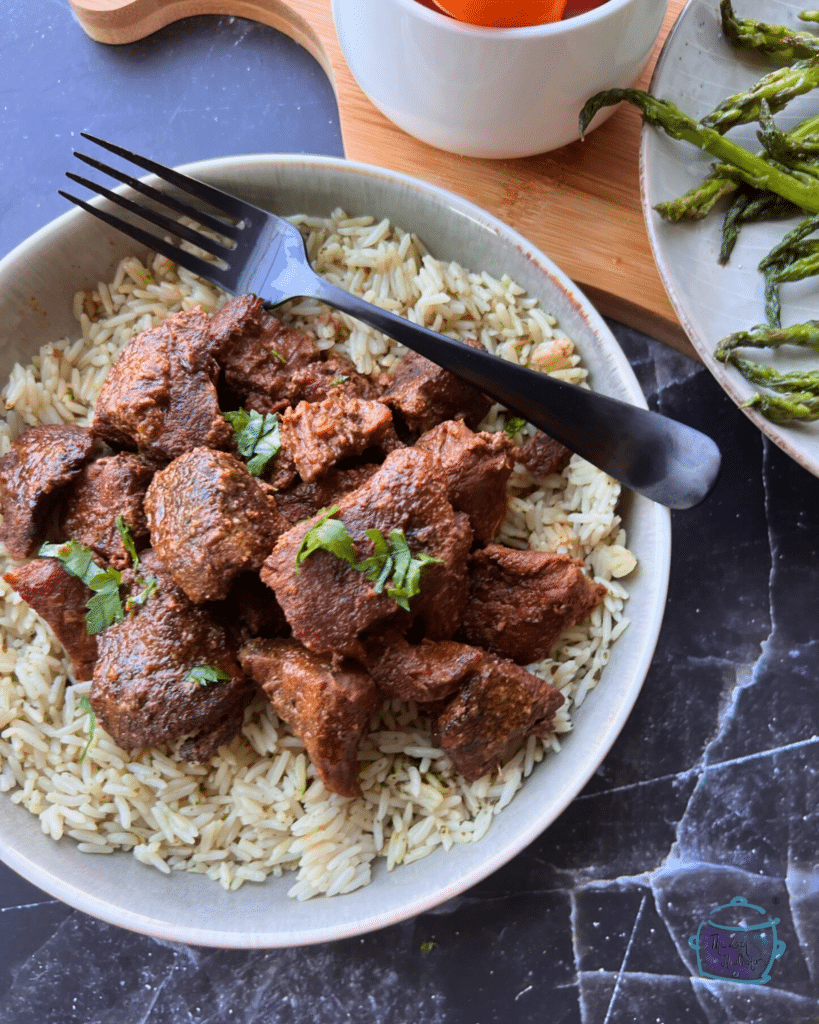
602, 12
133, 919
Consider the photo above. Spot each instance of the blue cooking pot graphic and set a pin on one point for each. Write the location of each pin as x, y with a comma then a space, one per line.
730, 948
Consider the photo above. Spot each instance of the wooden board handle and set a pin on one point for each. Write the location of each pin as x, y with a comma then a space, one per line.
580, 204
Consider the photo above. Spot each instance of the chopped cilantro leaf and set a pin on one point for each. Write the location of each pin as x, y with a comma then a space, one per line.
105, 605
514, 425
257, 437
428, 946
127, 539
391, 559
204, 674
338, 381
328, 534
85, 704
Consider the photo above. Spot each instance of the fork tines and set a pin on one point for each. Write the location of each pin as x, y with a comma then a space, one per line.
226, 204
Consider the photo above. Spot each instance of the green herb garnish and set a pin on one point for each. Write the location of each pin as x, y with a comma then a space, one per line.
328, 534
277, 355
514, 425
105, 605
428, 946
338, 381
85, 704
391, 558
257, 437
204, 674
127, 539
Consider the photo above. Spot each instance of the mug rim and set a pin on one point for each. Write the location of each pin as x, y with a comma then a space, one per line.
551, 28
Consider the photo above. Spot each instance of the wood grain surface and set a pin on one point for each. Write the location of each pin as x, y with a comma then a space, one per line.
579, 204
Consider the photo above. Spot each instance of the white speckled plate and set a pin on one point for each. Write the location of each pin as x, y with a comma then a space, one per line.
697, 69
37, 282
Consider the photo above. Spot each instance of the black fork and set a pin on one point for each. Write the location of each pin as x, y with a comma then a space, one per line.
259, 252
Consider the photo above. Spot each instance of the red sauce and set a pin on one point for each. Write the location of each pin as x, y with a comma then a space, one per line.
573, 7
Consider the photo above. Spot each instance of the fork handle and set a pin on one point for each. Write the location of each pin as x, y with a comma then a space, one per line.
661, 458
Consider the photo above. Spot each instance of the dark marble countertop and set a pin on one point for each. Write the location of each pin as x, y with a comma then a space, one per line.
710, 792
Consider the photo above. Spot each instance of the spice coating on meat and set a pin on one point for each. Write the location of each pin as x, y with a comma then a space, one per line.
160, 396
425, 394
210, 520
521, 601
141, 692
33, 472
319, 434
477, 468
425, 672
258, 354
329, 707
60, 599
111, 486
329, 605
305, 499
500, 702
542, 455
320, 379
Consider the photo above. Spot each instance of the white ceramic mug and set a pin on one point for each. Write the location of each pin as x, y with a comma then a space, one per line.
491, 92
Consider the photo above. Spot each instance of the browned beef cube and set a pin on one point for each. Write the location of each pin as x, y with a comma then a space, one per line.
60, 599
542, 455
33, 472
521, 601
318, 380
105, 489
160, 396
142, 692
258, 353
328, 706
500, 702
425, 672
305, 499
425, 394
329, 605
210, 520
250, 610
318, 434
477, 468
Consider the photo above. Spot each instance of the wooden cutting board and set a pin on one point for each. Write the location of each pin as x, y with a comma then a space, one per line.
579, 204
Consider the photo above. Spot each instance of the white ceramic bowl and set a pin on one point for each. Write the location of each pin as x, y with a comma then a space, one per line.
37, 282
491, 92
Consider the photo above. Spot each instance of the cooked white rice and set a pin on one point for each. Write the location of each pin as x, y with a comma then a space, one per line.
257, 808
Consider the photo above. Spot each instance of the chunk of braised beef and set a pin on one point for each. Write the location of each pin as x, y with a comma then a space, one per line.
259, 354
477, 468
319, 434
143, 693
327, 705
320, 379
33, 475
426, 672
521, 601
110, 487
542, 455
210, 521
305, 499
499, 703
425, 394
330, 605
160, 396
60, 599
250, 610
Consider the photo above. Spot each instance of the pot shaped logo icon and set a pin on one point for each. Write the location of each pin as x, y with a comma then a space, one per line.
733, 945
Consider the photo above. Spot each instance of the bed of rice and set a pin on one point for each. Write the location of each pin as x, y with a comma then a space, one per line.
257, 808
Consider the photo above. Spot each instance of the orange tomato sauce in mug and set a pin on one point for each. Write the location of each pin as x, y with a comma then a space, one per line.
516, 13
